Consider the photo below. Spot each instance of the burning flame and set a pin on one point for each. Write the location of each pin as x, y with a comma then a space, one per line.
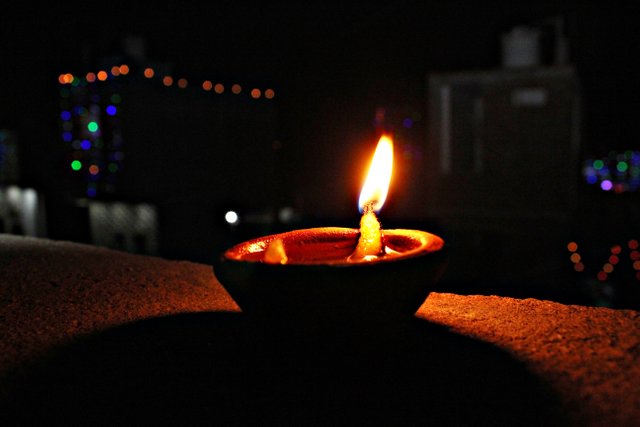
376, 186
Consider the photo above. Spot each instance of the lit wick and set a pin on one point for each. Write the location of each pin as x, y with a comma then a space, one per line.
372, 197
370, 244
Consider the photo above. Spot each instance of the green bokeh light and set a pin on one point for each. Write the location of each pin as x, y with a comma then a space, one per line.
92, 126
622, 166
598, 164
76, 165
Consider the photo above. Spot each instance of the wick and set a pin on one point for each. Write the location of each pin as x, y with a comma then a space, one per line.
370, 244
275, 253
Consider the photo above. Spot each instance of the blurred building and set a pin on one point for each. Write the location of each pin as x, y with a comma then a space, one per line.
504, 149
22, 208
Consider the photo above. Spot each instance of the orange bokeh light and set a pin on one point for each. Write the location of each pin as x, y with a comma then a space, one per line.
218, 88
148, 72
65, 78
115, 70
102, 75
167, 81
124, 69
572, 246
207, 85
91, 77
575, 258
255, 93
182, 83
269, 94
236, 89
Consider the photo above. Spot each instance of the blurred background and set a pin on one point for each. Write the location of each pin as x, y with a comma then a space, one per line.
179, 130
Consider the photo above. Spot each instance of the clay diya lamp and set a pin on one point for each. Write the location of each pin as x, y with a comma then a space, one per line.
331, 274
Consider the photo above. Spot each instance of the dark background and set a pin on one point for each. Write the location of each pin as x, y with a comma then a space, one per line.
333, 65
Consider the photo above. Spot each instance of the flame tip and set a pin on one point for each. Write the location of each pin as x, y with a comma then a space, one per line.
374, 191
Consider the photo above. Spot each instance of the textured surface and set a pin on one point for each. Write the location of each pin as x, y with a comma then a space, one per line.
51, 292
167, 331
590, 356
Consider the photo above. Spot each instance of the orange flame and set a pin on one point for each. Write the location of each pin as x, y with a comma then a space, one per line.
376, 186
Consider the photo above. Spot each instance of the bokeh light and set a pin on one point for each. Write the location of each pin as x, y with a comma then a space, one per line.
231, 217
236, 89
76, 165
606, 185
218, 88
167, 81
149, 73
92, 126
255, 93
622, 166
102, 75
269, 94
65, 78
182, 83
207, 85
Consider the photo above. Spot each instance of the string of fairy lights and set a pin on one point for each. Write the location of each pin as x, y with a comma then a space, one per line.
618, 172
90, 111
616, 256
167, 80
